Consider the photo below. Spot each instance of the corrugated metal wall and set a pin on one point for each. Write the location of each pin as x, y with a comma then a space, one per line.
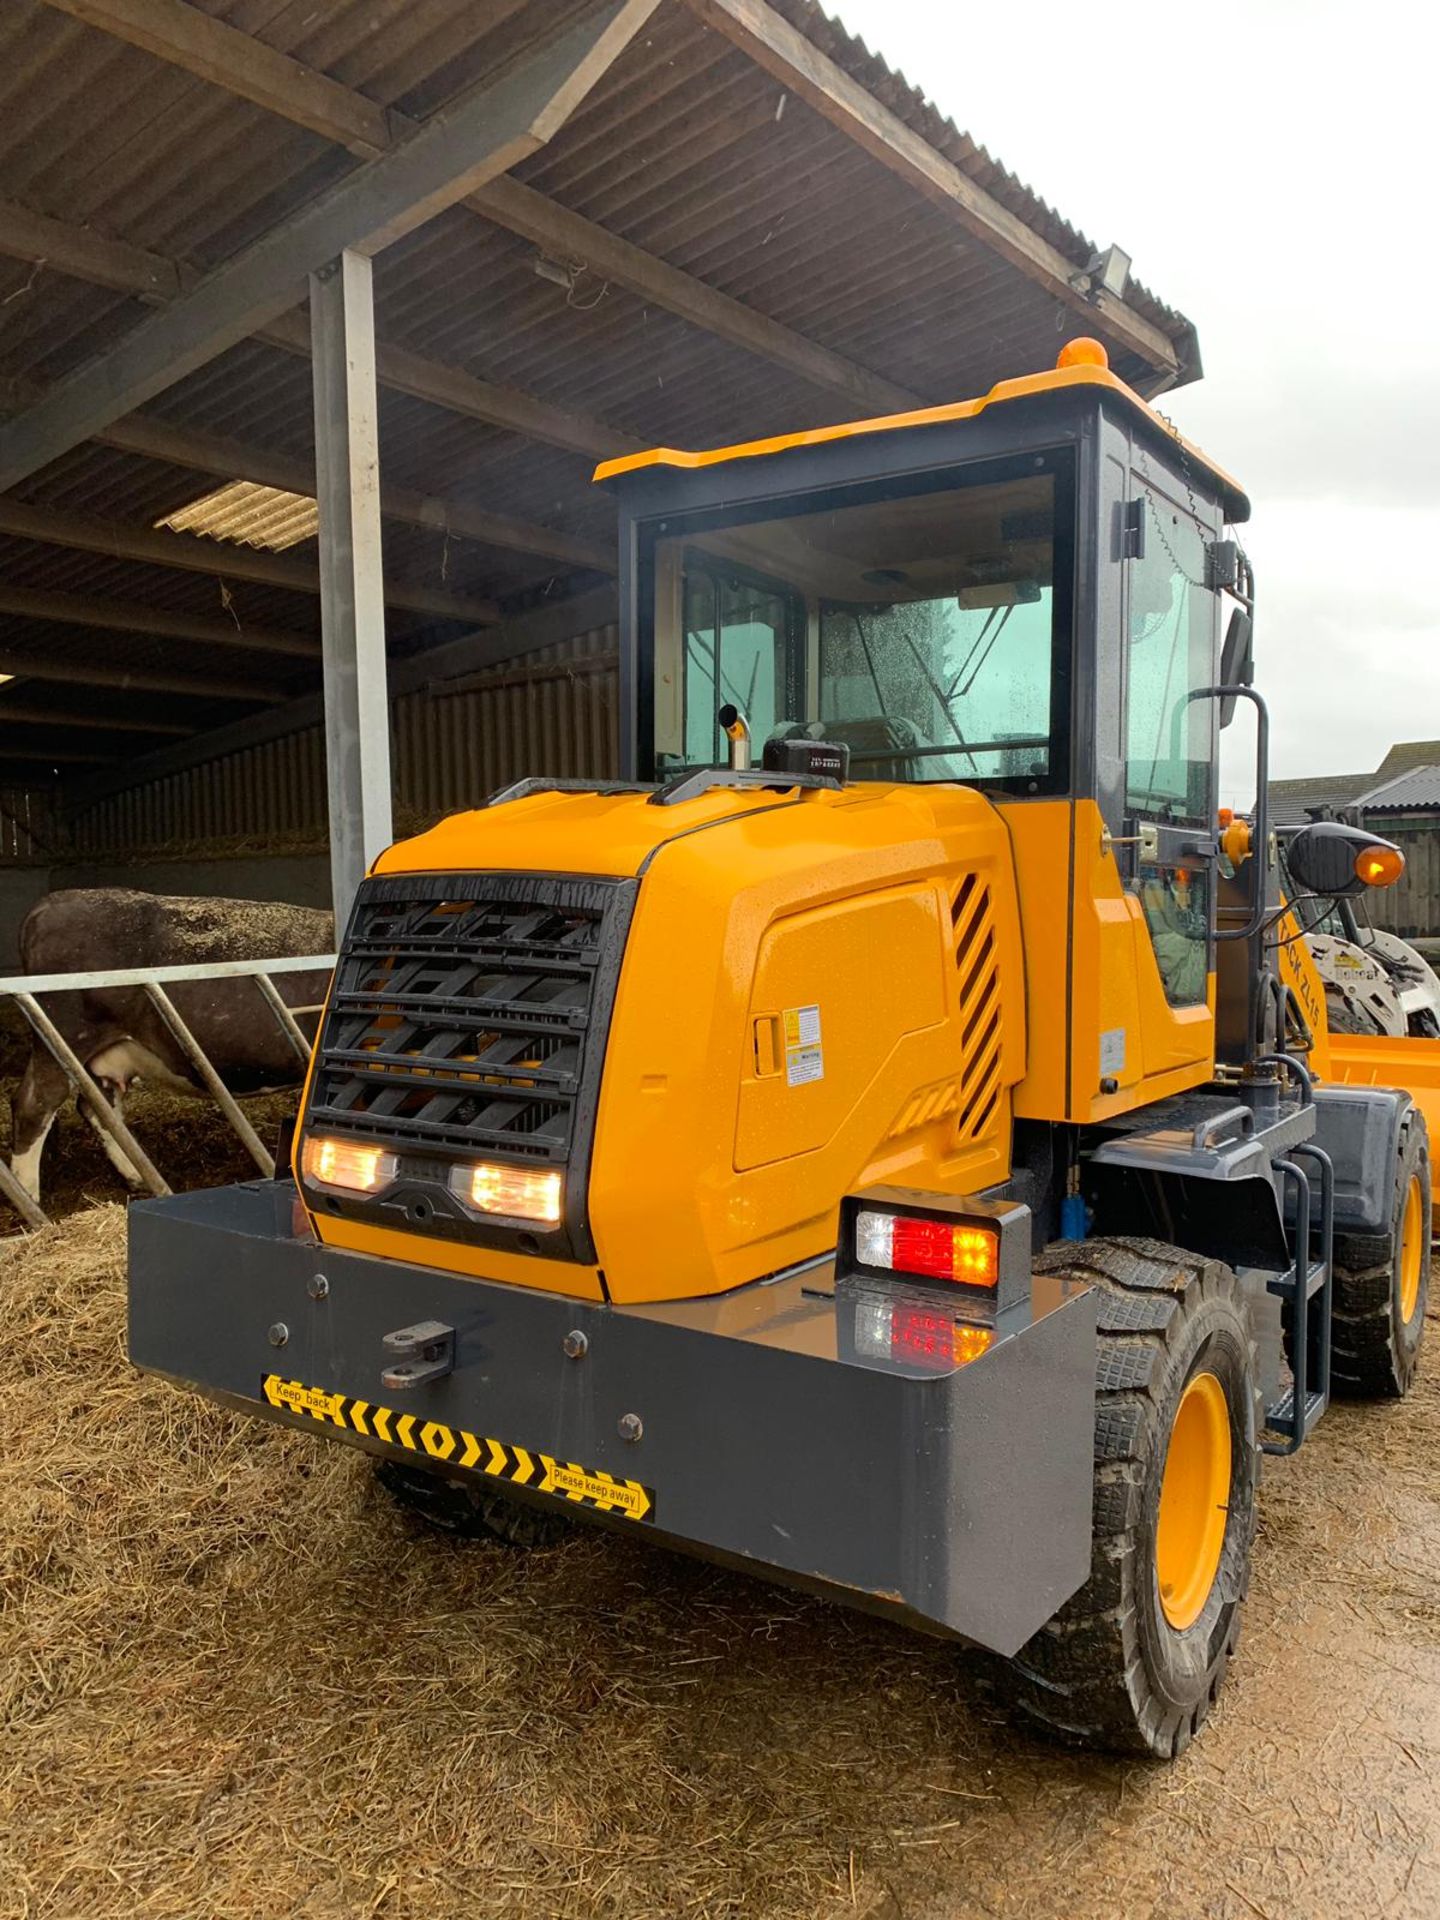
28, 826
552, 712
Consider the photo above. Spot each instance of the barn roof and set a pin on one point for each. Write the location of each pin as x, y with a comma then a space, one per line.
1417, 791
1291, 800
750, 225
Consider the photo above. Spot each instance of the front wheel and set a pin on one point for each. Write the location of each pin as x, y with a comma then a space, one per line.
1382, 1281
1134, 1662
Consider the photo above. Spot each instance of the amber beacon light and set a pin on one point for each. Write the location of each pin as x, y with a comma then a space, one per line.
1379, 866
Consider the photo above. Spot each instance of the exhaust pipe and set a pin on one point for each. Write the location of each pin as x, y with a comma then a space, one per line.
737, 732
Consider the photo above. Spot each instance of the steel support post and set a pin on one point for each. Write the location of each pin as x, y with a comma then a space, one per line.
352, 589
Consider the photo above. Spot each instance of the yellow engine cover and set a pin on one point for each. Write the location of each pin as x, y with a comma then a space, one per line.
819, 991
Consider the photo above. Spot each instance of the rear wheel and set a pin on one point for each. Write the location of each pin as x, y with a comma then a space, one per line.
1134, 1661
468, 1511
1382, 1282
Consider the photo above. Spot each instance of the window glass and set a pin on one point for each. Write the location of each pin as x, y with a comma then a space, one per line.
737, 648
935, 622
1171, 653
933, 690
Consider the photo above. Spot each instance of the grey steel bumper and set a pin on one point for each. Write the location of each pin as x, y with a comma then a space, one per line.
959, 1501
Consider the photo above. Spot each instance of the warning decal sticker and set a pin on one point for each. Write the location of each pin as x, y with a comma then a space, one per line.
453, 1447
804, 1054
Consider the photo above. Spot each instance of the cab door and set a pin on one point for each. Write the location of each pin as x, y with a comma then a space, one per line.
1170, 642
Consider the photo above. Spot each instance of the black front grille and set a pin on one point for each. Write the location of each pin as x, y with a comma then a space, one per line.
468, 1021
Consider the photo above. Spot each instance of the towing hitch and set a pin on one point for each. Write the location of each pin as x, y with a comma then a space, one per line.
428, 1353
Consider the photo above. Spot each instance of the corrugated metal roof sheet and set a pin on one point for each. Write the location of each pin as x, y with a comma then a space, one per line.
1410, 792
250, 515
686, 149
1289, 799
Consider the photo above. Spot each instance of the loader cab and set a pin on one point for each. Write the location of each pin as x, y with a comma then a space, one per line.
1023, 594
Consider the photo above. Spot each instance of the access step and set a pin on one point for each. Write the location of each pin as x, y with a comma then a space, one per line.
1280, 1420
1284, 1285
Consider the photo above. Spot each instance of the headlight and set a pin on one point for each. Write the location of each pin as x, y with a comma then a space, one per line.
520, 1193
347, 1164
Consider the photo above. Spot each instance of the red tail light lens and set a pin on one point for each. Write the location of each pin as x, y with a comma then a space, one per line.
939, 1249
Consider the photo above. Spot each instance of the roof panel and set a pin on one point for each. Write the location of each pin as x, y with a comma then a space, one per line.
1406, 793
685, 148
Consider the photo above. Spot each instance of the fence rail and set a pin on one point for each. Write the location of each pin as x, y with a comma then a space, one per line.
27, 988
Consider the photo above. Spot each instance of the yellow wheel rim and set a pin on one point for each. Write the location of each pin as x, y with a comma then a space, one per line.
1412, 1251
1194, 1501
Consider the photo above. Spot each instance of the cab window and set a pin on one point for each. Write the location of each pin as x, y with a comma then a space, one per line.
1170, 654
928, 630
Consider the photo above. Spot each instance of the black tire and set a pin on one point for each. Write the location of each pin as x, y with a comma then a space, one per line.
1111, 1670
1377, 1319
467, 1511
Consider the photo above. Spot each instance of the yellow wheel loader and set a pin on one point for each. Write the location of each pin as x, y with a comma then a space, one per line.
883, 1140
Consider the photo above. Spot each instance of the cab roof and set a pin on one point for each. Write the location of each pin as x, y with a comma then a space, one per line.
1066, 377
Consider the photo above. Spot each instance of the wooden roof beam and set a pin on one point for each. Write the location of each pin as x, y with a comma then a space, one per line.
236, 460
504, 119
44, 667
51, 756
183, 36
192, 553
784, 53
123, 616
12, 715
102, 262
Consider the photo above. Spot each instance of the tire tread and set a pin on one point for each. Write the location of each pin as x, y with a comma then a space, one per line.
1081, 1677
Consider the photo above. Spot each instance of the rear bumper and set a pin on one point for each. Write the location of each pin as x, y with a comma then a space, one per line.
959, 1502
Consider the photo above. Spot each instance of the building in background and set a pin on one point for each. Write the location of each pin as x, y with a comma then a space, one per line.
1399, 799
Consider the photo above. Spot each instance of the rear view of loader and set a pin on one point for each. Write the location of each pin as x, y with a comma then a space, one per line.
889, 1167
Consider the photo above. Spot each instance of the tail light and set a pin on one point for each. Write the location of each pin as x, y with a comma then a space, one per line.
980, 1248
935, 1249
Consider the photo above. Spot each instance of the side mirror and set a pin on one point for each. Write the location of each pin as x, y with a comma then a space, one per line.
1237, 660
1330, 858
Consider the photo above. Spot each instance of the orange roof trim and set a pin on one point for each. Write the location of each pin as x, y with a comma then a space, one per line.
1054, 380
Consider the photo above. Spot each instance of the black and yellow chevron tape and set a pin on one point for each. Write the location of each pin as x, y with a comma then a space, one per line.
453, 1447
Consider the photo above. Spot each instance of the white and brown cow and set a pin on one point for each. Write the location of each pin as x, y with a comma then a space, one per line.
119, 1035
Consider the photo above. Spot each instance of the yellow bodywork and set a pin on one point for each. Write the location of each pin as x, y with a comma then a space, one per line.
819, 991
1361, 1059
1024, 387
1097, 1005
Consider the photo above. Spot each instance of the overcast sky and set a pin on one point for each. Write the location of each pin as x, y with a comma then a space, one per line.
1271, 169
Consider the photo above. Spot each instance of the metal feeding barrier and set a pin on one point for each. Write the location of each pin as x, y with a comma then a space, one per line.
26, 991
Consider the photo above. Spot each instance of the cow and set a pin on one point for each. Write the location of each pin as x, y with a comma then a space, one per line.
119, 1034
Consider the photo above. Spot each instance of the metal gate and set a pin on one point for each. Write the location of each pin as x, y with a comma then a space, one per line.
26, 990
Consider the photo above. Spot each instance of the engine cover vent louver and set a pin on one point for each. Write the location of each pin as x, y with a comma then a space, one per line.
468, 1022
977, 965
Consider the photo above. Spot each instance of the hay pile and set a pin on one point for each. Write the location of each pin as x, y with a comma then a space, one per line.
235, 1680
